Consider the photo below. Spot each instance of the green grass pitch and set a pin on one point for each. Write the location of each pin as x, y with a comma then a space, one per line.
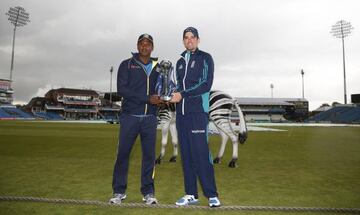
300, 167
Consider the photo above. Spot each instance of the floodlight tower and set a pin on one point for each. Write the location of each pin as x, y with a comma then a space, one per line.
18, 17
272, 88
341, 30
302, 76
111, 71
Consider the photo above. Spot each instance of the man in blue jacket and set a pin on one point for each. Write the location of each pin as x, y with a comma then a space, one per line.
195, 71
136, 82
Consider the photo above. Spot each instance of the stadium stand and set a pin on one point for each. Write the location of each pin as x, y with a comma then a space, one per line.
273, 109
338, 114
49, 115
14, 113
6, 92
4, 115
75, 104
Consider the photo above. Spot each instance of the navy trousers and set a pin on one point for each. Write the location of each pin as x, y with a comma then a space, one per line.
130, 128
196, 158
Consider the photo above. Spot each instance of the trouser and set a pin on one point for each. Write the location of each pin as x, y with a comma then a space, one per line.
196, 158
130, 128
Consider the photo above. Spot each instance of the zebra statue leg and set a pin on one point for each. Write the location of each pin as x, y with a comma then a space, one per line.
164, 138
174, 136
242, 136
226, 132
224, 139
243, 133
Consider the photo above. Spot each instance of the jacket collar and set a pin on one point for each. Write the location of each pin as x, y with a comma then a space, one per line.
136, 57
194, 53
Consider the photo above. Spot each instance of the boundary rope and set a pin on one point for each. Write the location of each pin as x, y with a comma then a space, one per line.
166, 206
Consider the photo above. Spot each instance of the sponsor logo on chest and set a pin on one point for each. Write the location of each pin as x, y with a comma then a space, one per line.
192, 65
198, 131
135, 67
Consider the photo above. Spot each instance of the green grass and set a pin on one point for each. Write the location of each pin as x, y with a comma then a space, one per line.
301, 167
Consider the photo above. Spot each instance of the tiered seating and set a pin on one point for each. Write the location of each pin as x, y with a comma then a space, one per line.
41, 115
110, 117
49, 115
4, 115
16, 113
338, 115
54, 116
353, 115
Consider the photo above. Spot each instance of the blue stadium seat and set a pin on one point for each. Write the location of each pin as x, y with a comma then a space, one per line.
49, 115
17, 113
4, 114
338, 114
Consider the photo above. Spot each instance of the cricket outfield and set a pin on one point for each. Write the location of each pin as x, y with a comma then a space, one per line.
305, 166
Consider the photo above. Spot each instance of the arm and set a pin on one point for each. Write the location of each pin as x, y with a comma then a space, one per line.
122, 86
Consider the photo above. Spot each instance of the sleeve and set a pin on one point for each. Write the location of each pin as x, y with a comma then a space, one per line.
179, 84
205, 82
158, 86
123, 83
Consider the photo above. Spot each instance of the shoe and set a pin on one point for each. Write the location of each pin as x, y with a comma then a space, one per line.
117, 198
187, 200
150, 199
214, 202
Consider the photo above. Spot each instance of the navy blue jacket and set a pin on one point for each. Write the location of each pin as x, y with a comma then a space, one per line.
194, 81
135, 86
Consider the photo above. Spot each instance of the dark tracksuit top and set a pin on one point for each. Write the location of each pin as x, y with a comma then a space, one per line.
138, 117
194, 81
135, 87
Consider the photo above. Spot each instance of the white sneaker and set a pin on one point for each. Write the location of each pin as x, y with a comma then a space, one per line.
117, 198
214, 202
150, 199
187, 200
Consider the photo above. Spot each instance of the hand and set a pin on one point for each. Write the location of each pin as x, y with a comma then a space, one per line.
155, 100
176, 97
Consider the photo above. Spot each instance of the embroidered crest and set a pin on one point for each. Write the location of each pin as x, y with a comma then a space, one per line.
192, 64
181, 66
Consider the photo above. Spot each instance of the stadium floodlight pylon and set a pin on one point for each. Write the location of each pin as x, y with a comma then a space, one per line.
18, 17
111, 71
302, 78
341, 30
272, 88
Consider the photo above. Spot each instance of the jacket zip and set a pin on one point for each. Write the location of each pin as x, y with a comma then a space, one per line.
147, 81
183, 102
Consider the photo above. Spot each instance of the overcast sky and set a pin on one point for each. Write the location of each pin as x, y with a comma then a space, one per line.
73, 43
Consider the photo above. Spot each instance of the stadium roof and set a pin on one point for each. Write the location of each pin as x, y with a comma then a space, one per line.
323, 108
74, 91
37, 101
269, 101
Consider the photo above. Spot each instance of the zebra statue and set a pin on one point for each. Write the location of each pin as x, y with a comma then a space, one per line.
167, 121
221, 105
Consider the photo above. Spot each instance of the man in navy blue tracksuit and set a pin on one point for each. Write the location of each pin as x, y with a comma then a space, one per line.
136, 85
195, 71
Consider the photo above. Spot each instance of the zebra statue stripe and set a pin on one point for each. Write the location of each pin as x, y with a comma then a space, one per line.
221, 106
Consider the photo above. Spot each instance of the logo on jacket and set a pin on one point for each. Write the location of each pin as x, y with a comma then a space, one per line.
198, 131
180, 67
192, 64
135, 67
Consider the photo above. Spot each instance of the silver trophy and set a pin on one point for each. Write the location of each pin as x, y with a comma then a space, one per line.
167, 86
